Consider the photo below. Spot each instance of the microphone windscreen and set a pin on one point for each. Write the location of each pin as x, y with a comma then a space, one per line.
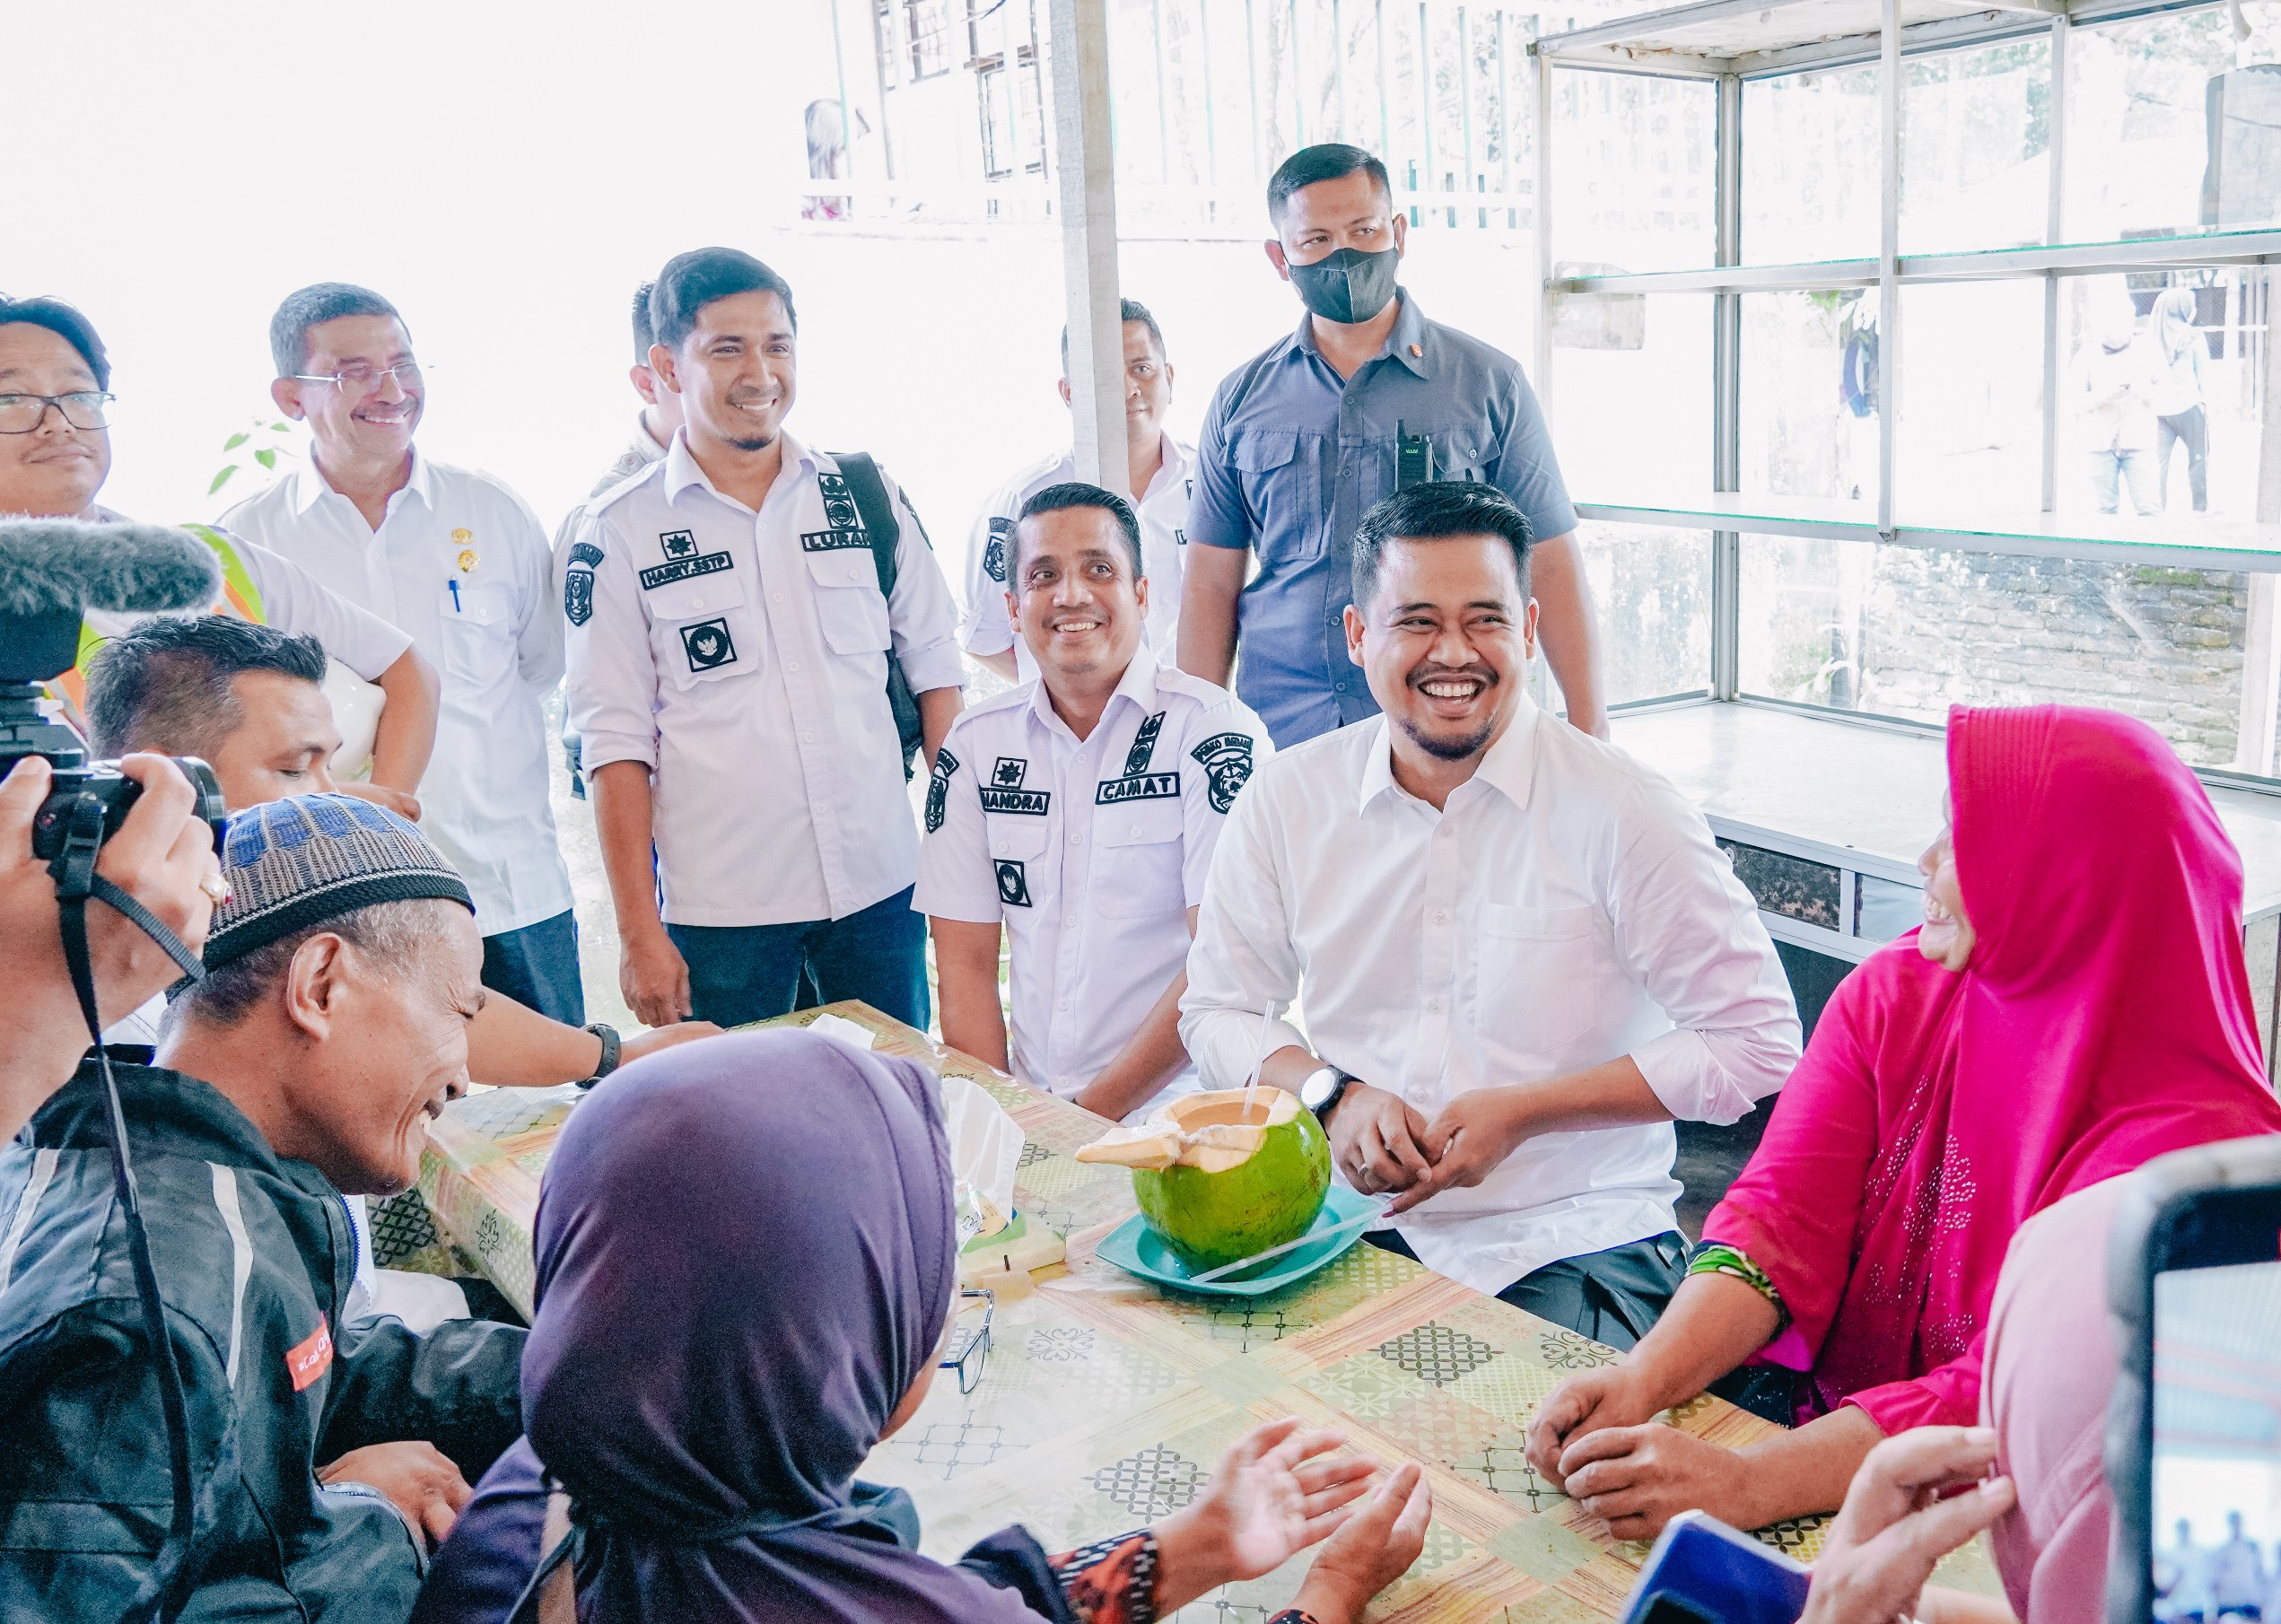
68, 564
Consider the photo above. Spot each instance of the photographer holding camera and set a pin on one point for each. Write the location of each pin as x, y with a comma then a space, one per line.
162, 856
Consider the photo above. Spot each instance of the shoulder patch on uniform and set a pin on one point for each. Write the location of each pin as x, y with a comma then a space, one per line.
683, 569
584, 551
708, 645
1144, 744
1013, 883
1227, 760
1137, 786
994, 553
578, 594
939, 788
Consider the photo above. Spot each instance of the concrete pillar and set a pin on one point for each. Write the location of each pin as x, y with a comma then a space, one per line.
1085, 166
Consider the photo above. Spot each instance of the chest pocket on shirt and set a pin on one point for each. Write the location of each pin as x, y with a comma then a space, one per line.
1536, 970
1136, 860
854, 615
479, 632
702, 633
1277, 494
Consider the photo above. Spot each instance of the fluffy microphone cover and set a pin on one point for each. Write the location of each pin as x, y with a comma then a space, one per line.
68, 564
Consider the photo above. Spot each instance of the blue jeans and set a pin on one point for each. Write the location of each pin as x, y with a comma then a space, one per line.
741, 973
537, 967
2135, 467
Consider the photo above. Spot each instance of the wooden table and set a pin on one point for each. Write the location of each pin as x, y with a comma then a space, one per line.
1104, 1401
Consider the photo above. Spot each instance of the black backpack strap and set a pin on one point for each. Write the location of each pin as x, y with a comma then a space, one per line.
877, 513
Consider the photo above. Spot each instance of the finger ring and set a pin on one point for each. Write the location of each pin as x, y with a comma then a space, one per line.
216, 888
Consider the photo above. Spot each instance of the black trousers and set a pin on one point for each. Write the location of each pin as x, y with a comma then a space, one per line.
1612, 1297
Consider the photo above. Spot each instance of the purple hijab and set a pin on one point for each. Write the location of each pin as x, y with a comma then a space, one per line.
745, 1260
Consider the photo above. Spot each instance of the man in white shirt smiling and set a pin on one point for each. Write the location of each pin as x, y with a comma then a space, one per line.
1520, 954
730, 644
1080, 811
454, 558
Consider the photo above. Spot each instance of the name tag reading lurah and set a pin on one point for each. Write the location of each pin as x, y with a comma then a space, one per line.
832, 541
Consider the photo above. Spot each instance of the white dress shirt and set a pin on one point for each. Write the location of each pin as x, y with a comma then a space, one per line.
1092, 851
460, 563
1163, 513
294, 602
1568, 906
741, 657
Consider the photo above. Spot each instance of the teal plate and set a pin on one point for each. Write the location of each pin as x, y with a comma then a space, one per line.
1135, 1248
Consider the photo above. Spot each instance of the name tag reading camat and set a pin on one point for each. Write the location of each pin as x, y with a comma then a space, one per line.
1141, 786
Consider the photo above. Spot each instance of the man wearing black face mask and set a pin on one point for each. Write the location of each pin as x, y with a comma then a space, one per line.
1366, 397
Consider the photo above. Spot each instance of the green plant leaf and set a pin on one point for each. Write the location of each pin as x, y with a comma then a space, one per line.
279, 428
267, 457
221, 479
236, 440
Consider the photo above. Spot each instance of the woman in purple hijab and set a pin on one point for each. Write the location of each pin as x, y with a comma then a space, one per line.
745, 1268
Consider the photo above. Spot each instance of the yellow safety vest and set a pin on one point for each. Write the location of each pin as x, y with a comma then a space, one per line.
240, 597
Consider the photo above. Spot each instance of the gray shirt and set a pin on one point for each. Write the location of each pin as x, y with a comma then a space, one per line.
1292, 457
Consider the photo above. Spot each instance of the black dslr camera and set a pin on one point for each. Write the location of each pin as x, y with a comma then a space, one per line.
34, 647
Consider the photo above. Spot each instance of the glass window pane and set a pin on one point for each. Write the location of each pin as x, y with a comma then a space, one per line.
1651, 593
1631, 386
1909, 631
2141, 96
1633, 162
1975, 138
1970, 441
1810, 166
1809, 389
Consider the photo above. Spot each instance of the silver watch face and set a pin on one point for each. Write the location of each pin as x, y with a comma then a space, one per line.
1315, 1092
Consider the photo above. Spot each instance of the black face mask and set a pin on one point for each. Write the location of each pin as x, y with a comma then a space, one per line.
1347, 285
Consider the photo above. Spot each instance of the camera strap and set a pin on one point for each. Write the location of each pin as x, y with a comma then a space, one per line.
164, 1593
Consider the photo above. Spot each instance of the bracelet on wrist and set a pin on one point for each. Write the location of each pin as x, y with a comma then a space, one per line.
609, 1061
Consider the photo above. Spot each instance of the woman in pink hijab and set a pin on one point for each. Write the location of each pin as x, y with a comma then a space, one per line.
2074, 1004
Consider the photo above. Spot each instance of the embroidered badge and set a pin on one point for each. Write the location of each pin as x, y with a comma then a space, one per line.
839, 511
1004, 792
311, 1357
1138, 786
939, 788
1144, 744
677, 544
683, 569
1010, 772
584, 553
832, 541
994, 551
708, 644
1013, 884
1227, 758
578, 595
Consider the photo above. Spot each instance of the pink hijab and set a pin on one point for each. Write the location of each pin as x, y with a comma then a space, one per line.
2104, 1019
2050, 1370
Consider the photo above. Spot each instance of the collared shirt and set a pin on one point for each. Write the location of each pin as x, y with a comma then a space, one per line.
1291, 459
460, 563
741, 657
1163, 513
1565, 907
294, 602
1090, 850
637, 455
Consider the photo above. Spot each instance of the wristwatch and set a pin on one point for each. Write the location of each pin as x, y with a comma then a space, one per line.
608, 1062
1323, 1090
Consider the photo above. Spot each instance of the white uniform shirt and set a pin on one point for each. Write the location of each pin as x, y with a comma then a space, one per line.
294, 602
741, 657
460, 563
1163, 513
1092, 851
636, 456
1567, 907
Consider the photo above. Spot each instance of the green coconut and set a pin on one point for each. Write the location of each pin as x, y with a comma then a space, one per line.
1218, 1181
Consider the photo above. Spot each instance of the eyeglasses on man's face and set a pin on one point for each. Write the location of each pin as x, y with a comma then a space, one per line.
967, 1352
355, 382
81, 409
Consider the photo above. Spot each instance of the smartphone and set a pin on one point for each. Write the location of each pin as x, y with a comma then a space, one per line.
2194, 1428
1703, 1572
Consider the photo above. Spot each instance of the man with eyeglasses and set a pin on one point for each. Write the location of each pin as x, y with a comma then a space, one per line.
55, 454
456, 559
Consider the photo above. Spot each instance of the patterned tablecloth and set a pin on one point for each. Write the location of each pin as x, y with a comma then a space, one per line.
1104, 1401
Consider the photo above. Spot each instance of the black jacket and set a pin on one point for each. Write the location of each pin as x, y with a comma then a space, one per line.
254, 1257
